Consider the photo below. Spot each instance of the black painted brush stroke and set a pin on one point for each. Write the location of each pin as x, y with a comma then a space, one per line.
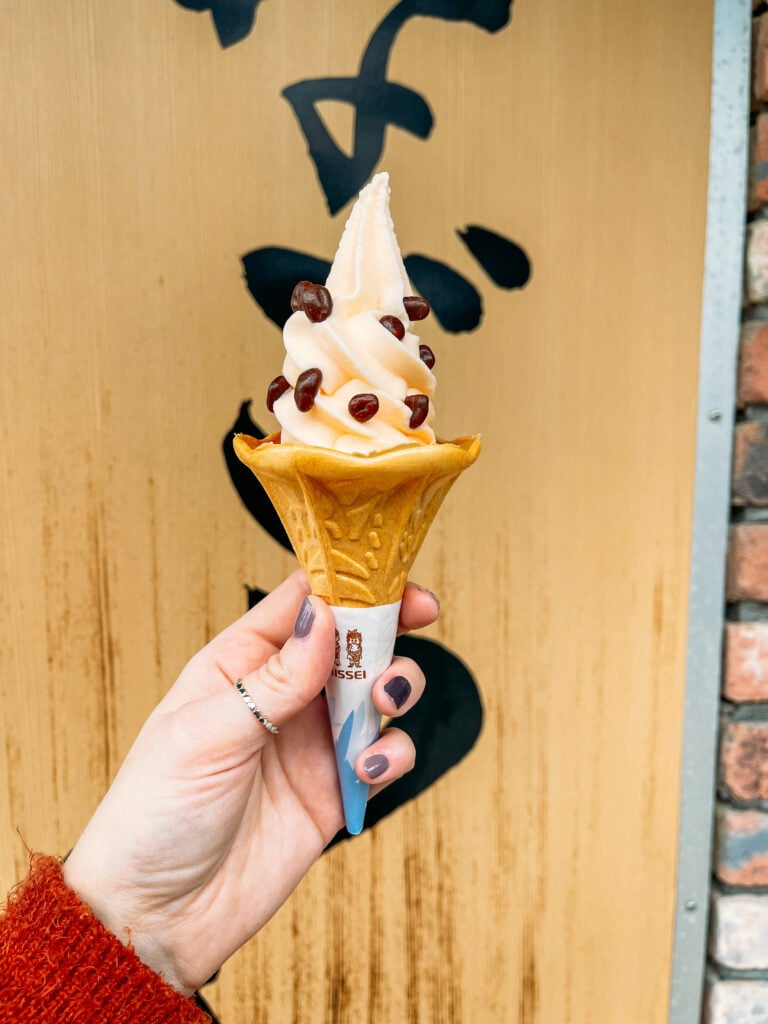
272, 273
251, 493
255, 594
504, 261
378, 103
201, 1004
444, 726
455, 302
232, 19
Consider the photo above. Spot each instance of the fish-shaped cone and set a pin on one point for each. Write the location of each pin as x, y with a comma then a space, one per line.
356, 522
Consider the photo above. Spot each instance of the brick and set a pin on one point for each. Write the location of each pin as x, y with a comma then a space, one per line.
741, 846
749, 482
756, 261
753, 203
760, 58
744, 760
747, 576
757, 193
755, 106
736, 1002
739, 932
753, 364
746, 662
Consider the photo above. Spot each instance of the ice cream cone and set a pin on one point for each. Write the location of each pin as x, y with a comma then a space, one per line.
356, 523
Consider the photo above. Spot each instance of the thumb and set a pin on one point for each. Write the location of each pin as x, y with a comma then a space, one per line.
286, 683
279, 689
296, 673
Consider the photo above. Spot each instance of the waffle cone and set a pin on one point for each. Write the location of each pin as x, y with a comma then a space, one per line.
356, 522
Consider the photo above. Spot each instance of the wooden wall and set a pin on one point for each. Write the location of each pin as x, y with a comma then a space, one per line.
140, 160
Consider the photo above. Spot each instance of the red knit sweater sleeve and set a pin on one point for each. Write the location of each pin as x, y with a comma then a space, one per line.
60, 964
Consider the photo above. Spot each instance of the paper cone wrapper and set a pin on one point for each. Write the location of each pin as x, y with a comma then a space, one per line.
365, 640
356, 523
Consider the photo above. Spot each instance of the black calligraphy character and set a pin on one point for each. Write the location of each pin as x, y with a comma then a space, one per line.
377, 102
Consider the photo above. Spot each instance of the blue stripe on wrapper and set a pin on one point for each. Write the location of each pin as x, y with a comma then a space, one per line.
354, 793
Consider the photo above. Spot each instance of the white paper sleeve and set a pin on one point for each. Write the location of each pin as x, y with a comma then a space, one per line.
365, 641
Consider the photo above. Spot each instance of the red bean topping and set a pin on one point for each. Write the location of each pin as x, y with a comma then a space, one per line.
416, 307
394, 326
314, 299
363, 407
307, 386
277, 388
297, 296
419, 406
317, 303
427, 355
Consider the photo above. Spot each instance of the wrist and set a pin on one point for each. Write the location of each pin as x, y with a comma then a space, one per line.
124, 921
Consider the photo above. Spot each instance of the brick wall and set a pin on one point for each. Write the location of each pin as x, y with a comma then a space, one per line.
737, 988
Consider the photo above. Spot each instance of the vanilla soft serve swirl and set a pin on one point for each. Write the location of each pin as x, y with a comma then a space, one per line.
357, 379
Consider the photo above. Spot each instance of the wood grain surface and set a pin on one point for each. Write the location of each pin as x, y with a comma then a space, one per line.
139, 162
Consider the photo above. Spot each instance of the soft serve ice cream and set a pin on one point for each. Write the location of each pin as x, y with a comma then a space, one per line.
355, 473
356, 377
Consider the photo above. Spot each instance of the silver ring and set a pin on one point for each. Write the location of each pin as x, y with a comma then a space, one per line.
252, 708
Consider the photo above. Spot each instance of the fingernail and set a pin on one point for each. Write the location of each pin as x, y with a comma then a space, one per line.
376, 765
304, 619
424, 590
399, 689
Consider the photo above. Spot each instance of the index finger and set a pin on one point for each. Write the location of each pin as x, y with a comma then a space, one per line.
420, 608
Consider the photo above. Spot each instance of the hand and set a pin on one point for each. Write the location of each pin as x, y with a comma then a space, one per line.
212, 821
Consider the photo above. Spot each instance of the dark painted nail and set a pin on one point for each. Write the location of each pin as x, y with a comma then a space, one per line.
399, 689
304, 619
376, 765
